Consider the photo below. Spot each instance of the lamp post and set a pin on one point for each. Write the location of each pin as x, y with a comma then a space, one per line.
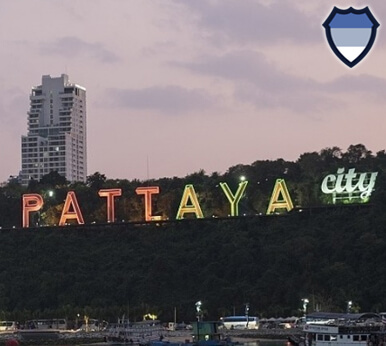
198, 315
305, 303
247, 313
349, 305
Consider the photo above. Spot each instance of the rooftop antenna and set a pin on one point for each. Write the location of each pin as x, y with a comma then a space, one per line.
147, 167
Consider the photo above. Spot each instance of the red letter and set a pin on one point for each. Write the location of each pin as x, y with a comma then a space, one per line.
110, 194
31, 202
148, 191
67, 214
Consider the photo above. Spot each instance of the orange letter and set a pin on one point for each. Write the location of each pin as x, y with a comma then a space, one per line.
148, 191
67, 214
285, 202
110, 194
31, 202
194, 207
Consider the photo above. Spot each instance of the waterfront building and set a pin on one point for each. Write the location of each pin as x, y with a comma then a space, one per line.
56, 139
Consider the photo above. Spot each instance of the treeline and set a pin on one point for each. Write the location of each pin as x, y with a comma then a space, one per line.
303, 179
328, 255
270, 262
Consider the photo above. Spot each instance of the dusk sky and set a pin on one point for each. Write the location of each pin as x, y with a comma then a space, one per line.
178, 86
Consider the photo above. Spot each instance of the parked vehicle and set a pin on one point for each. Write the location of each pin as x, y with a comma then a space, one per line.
240, 322
8, 325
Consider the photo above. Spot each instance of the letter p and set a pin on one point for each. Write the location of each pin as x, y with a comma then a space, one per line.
31, 202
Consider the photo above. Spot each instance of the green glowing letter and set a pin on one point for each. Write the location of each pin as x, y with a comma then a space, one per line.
234, 199
194, 207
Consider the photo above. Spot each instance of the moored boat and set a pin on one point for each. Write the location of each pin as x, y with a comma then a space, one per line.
125, 332
204, 333
334, 329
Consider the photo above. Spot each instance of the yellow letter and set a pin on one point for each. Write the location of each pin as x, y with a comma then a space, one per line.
234, 199
31, 202
110, 194
148, 191
189, 193
67, 214
275, 202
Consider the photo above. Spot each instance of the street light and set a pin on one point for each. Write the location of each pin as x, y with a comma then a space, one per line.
349, 305
198, 309
305, 303
198, 314
247, 313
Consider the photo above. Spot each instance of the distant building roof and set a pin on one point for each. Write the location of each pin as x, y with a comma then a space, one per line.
345, 316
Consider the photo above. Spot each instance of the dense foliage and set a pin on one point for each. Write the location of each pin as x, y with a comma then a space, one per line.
328, 254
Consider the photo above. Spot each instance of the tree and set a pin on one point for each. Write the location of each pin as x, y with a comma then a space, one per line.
331, 155
53, 179
96, 181
356, 153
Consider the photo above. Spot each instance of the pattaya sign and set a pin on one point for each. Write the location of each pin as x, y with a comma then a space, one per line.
351, 184
189, 204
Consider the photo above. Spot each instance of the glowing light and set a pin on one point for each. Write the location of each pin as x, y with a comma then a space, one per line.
75, 214
148, 191
198, 306
350, 185
194, 207
31, 202
234, 199
280, 198
110, 194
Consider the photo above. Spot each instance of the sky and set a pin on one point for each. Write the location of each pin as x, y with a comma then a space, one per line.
178, 86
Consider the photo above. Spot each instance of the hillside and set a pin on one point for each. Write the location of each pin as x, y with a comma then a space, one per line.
272, 262
330, 248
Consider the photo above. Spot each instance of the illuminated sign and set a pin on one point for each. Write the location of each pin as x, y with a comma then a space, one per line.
148, 191
31, 202
280, 198
234, 199
193, 207
71, 210
347, 186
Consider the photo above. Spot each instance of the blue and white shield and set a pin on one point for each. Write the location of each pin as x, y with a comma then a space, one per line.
351, 33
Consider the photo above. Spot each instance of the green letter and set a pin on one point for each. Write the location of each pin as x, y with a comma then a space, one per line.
234, 199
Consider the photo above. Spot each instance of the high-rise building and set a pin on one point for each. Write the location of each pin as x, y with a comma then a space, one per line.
56, 139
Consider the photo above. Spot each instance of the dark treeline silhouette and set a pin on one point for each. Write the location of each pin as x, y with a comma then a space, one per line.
328, 254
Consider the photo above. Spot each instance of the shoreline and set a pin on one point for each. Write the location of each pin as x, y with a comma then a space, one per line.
181, 336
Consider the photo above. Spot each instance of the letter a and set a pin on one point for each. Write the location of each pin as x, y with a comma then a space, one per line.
194, 207
67, 214
276, 203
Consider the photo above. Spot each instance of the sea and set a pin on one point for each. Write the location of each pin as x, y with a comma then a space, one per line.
271, 343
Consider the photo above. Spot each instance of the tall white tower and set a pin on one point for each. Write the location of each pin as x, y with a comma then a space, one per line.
56, 139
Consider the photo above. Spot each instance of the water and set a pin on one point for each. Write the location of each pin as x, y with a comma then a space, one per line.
273, 343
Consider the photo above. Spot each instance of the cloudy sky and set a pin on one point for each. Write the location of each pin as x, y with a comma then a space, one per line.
177, 86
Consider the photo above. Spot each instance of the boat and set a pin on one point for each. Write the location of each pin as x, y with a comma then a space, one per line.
204, 333
337, 329
125, 332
